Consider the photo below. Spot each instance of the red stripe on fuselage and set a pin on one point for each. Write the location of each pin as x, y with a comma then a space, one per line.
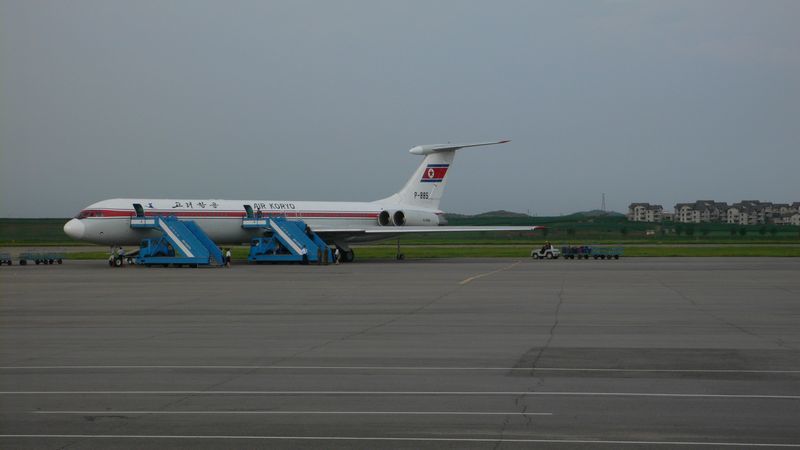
101, 213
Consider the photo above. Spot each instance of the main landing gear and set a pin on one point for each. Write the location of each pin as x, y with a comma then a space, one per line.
347, 255
346, 252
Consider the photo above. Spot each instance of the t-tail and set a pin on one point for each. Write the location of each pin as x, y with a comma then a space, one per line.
425, 188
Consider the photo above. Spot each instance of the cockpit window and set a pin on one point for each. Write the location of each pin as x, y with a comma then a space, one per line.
89, 213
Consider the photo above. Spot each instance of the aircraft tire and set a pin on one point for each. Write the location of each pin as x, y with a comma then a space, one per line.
349, 256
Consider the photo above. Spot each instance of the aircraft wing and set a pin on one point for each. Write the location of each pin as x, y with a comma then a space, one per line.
407, 230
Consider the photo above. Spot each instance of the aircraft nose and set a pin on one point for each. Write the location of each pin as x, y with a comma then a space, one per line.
74, 229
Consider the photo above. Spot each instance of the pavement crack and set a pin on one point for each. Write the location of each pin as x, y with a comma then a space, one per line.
778, 341
520, 399
369, 328
321, 345
552, 327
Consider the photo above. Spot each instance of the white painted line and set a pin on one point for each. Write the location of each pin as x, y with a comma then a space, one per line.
388, 413
399, 439
416, 393
475, 277
389, 368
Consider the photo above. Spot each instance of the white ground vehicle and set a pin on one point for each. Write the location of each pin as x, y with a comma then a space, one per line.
550, 253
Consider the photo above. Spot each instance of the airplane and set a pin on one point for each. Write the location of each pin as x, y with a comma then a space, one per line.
413, 209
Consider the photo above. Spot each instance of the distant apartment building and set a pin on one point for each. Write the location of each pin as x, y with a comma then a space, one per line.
701, 211
645, 212
745, 212
787, 219
754, 212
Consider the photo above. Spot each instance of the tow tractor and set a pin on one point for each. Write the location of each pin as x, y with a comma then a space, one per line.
550, 253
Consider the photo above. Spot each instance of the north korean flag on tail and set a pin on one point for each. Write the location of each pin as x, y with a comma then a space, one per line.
434, 173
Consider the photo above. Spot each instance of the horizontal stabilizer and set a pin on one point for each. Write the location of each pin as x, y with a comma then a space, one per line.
428, 149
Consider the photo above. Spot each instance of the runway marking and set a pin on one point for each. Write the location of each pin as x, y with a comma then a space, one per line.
416, 393
400, 439
475, 277
392, 413
404, 368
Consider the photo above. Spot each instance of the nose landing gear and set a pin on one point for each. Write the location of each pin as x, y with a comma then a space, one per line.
117, 258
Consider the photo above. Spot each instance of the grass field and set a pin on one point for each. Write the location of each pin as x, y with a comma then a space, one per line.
33, 231
568, 229
715, 240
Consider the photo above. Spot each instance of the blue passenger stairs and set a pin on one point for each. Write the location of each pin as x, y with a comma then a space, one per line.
286, 244
182, 242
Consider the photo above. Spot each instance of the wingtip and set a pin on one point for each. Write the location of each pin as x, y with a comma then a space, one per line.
504, 141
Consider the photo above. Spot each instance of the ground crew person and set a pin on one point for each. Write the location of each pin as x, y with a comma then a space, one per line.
336, 256
227, 257
304, 253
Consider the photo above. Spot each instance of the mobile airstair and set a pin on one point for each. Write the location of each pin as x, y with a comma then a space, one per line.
182, 242
286, 243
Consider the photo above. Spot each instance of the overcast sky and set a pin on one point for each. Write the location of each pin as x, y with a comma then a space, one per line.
663, 102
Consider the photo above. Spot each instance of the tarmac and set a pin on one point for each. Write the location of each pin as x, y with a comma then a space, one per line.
465, 353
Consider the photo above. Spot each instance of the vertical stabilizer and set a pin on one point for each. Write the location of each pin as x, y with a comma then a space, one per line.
425, 188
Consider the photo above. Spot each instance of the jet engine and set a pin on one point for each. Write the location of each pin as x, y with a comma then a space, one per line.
414, 218
384, 218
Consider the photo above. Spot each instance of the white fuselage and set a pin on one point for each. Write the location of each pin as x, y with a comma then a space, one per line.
108, 222
413, 209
